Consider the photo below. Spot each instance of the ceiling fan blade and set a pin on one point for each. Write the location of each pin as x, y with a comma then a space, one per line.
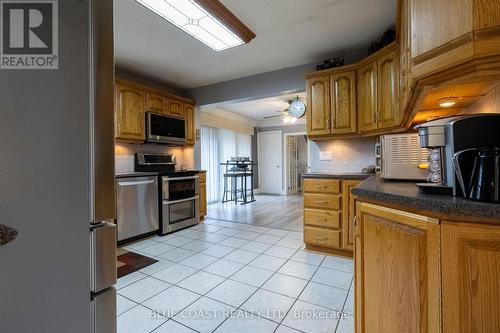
269, 117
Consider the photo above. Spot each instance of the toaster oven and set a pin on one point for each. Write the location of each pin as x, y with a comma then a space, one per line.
398, 156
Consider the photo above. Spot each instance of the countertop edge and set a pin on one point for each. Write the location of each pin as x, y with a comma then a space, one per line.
360, 175
443, 207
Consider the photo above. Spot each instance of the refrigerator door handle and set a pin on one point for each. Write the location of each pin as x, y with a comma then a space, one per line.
103, 256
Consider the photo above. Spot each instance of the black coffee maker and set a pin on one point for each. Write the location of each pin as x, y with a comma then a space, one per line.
478, 173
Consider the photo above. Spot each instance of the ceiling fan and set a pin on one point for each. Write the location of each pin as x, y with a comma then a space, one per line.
296, 109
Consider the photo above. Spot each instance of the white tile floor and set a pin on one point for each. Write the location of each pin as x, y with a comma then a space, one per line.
222, 276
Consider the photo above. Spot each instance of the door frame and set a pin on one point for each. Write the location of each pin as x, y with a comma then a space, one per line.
259, 154
285, 158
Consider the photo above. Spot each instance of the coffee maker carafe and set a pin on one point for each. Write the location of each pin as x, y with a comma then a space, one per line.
448, 136
478, 173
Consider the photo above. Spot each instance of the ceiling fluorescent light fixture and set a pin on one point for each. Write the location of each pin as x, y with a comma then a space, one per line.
208, 21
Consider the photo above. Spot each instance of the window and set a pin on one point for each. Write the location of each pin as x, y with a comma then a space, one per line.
218, 145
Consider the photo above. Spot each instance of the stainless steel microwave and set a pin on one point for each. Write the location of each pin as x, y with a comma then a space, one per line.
164, 129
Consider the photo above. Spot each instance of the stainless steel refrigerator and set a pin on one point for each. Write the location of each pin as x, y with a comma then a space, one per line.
102, 171
57, 177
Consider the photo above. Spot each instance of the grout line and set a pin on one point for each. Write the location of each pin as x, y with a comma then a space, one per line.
229, 278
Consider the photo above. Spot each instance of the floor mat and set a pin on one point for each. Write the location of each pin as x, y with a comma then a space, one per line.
129, 262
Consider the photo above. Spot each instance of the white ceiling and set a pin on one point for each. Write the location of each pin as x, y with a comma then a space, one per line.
256, 109
289, 33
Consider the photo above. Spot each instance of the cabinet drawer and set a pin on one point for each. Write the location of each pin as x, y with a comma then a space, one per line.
322, 237
322, 186
322, 218
321, 201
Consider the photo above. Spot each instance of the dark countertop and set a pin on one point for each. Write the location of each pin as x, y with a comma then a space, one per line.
151, 173
405, 195
337, 175
135, 174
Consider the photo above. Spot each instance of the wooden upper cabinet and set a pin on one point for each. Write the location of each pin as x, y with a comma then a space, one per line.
130, 109
405, 81
189, 119
397, 275
471, 284
318, 106
367, 97
174, 108
343, 103
388, 114
436, 23
155, 103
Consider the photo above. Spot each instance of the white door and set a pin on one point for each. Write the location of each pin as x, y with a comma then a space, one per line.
270, 158
292, 174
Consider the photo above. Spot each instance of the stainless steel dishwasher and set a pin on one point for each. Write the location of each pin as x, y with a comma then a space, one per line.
137, 206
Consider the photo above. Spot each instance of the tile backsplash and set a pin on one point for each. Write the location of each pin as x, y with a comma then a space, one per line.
124, 155
341, 155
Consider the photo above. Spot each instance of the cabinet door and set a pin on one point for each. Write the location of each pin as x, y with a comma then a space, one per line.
388, 91
155, 103
471, 277
348, 211
174, 108
189, 117
405, 84
397, 271
436, 23
367, 97
343, 103
203, 194
130, 113
318, 106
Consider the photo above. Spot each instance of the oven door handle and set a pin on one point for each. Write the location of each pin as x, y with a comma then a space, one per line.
167, 202
166, 179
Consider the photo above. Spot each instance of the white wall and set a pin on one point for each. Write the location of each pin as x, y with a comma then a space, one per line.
348, 155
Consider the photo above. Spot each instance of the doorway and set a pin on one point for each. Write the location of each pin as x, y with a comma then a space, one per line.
295, 161
270, 155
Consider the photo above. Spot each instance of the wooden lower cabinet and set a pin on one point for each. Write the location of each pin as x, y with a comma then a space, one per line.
417, 274
471, 277
349, 212
328, 205
396, 271
203, 194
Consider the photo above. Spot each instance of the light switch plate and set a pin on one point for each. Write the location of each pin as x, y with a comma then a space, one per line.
325, 155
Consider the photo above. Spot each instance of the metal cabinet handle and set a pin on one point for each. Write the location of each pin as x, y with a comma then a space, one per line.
320, 202
322, 238
321, 187
7, 234
320, 219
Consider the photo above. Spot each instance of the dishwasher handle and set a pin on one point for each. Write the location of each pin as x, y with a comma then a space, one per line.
134, 183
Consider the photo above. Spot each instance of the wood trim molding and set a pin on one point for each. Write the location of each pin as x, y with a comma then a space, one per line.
332, 71
217, 9
210, 120
465, 39
155, 91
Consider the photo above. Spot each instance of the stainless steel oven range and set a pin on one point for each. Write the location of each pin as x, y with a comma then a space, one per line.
180, 201
179, 191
